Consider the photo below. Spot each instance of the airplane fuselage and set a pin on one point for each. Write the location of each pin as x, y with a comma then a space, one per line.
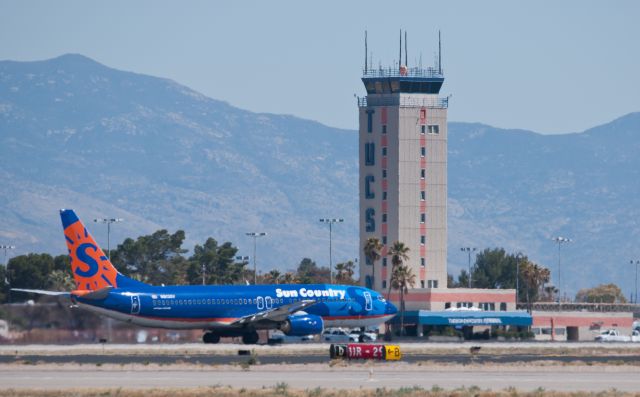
217, 307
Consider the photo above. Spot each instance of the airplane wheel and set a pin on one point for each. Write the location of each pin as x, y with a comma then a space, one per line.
210, 337
250, 338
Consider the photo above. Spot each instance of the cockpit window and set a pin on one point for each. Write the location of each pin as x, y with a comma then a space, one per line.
381, 298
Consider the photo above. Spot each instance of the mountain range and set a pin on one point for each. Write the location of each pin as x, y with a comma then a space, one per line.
109, 143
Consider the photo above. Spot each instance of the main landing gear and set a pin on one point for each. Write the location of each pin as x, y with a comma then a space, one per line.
210, 337
248, 338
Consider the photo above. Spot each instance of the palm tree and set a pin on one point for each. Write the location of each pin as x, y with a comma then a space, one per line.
401, 279
344, 272
372, 248
535, 277
398, 253
272, 277
288, 278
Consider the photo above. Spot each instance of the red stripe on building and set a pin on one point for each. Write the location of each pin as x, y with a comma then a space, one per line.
384, 273
383, 115
423, 184
384, 206
423, 229
423, 273
384, 228
457, 297
385, 184
423, 162
383, 141
423, 141
384, 162
570, 321
423, 206
423, 250
423, 115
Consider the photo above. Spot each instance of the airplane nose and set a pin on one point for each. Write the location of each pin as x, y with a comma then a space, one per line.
391, 308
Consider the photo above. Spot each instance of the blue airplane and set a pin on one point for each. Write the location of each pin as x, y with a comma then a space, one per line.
220, 310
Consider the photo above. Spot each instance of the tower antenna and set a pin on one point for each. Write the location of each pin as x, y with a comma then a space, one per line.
406, 55
439, 54
365, 52
400, 58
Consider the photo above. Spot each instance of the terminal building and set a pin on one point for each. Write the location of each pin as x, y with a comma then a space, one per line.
403, 197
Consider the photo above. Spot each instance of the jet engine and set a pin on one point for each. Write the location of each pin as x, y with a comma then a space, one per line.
302, 324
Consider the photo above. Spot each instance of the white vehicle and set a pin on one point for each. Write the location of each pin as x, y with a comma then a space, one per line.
338, 335
366, 336
612, 335
279, 337
635, 336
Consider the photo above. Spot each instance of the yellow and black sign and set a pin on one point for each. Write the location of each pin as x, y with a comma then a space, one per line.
392, 353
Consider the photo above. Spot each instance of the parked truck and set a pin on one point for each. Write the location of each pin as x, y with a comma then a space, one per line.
612, 335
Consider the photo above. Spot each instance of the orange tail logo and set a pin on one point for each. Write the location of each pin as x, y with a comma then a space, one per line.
90, 266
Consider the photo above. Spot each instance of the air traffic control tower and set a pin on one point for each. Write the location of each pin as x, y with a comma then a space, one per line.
403, 170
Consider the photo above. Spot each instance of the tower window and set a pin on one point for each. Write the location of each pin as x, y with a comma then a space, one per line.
422, 262
423, 172
384, 151
423, 218
384, 262
423, 151
384, 218
384, 195
384, 239
421, 283
423, 195
384, 172
384, 129
384, 284
422, 240
370, 121
434, 129
423, 129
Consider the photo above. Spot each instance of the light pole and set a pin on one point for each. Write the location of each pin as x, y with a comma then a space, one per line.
331, 221
108, 221
255, 236
7, 277
5, 248
244, 260
518, 257
637, 262
469, 251
560, 240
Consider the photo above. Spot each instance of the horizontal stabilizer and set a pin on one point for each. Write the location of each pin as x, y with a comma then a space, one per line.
42, 292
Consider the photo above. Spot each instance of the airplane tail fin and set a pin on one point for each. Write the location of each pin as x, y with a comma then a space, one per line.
91, 268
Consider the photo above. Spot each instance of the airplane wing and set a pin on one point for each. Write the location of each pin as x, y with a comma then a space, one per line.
95, 295
277, 314
42, 292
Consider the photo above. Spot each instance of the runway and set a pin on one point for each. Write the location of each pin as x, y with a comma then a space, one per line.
340, 377
310, 358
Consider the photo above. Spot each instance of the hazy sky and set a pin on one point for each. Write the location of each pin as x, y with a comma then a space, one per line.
548, 66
